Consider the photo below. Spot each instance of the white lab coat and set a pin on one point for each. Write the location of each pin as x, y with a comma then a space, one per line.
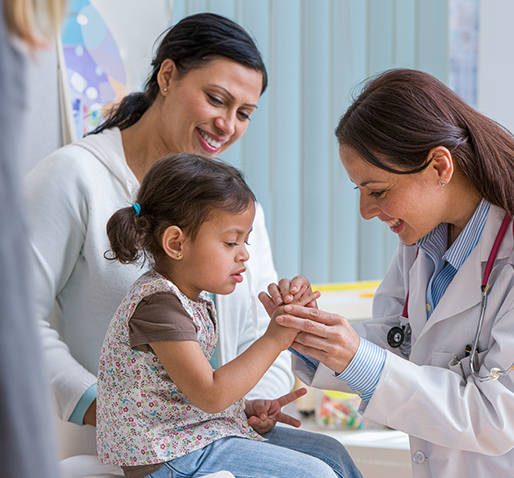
462, 427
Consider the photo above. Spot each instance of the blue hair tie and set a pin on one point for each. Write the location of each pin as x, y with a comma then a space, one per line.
137, 208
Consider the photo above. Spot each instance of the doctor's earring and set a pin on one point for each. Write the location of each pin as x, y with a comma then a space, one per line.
442, 183
179, 255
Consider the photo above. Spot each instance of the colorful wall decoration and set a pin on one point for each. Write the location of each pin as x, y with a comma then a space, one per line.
94, 67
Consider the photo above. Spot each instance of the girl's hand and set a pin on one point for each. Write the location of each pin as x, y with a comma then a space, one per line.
326, 337
264, 414
285, 336
285, 292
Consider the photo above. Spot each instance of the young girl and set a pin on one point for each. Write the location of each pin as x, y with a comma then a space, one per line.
162, 410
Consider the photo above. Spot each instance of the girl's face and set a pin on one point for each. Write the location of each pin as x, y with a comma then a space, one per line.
411, 204
208, 109
215, 260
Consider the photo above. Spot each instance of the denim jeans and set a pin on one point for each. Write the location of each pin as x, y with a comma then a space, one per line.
287, 453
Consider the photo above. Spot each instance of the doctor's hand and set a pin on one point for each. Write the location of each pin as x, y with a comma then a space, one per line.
326, 337
285, 292
264, 414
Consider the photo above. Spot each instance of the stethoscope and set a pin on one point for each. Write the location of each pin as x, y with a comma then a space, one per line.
400, 337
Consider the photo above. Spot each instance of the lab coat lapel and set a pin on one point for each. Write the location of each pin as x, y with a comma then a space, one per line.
464, 291
418, 278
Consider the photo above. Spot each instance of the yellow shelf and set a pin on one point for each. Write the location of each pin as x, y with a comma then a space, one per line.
334, 286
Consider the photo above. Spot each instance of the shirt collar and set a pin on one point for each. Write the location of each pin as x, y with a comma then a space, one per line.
436, 241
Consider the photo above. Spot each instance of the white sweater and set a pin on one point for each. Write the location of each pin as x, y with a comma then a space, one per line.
70, 197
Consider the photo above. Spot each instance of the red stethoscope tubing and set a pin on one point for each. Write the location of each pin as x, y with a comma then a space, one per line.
495, 248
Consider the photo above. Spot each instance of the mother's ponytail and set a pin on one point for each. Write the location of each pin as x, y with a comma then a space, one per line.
127, 112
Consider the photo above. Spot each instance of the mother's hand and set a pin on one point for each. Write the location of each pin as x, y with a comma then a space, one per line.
326, 337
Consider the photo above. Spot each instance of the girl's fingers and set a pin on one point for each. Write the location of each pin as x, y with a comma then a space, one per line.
306, 299
297, 283
275, 294
287, 290
300, 293
291, 397
267, 302
261, 410
288, 420
284, 286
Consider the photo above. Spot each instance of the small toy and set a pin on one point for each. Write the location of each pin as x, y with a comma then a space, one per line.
339, 410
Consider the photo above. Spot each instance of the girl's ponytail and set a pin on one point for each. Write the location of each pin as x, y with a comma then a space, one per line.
125, 230
183, 190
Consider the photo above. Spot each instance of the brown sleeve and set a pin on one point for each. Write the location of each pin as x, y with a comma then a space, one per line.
160, 317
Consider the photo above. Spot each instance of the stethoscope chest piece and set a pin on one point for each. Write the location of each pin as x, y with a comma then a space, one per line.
400, 337
395, 337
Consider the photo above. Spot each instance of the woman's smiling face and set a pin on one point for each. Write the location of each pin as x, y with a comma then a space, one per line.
206, 110
410, 204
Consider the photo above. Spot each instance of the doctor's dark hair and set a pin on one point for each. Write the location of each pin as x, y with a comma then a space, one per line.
402, 114
183, 190
192, 43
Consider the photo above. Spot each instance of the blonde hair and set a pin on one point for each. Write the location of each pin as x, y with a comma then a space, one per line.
34, 22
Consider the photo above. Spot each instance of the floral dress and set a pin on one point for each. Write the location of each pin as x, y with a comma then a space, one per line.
142, 416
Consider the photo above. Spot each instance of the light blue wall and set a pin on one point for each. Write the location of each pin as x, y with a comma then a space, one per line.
316, 52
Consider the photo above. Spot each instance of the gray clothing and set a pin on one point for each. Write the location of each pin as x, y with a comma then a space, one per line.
27, 448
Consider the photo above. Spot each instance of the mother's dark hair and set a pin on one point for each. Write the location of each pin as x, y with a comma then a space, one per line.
402, 114
192, 43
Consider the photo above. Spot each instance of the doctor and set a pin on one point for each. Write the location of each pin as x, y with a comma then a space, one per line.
441, 176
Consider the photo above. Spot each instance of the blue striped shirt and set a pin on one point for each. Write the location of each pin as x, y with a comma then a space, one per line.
363, 373
446, 262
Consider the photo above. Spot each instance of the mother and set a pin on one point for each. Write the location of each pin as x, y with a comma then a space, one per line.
441, 176
206, 81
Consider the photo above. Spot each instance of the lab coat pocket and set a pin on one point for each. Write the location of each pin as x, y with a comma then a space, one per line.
462, 366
